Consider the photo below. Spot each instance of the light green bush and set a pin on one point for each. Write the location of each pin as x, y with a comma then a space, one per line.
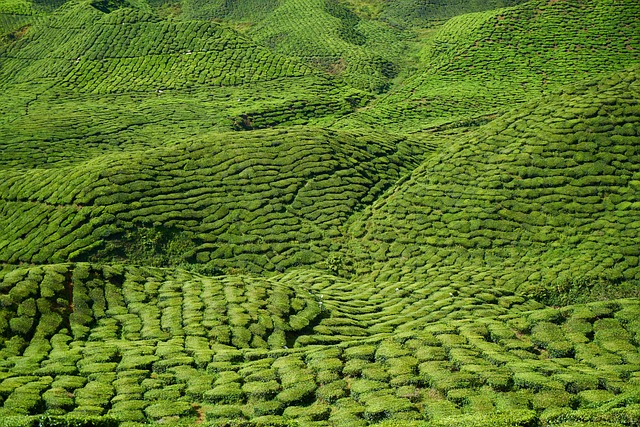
164, 409
228, 393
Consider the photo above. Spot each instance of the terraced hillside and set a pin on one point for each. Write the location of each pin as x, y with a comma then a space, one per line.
126, 79
326, 34
319, 213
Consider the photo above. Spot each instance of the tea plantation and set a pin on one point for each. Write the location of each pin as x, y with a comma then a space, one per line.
479, 65
319, 213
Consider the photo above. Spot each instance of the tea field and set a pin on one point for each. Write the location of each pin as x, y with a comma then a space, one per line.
261, 201
479, 65
139, 344
543, 195
319, 213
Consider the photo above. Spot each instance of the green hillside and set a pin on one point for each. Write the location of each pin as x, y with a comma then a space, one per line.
265, 200
128, 79
421, 13
543, 195
480, 65
326, 34
319, 213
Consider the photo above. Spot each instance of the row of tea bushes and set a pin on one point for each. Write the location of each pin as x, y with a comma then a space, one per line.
112, 302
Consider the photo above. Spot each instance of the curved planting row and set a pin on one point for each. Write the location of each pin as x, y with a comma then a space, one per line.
75, 128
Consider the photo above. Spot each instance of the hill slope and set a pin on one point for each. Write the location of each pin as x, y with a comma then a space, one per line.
545, 194
326, 34
254, 201
482, 64
126, 79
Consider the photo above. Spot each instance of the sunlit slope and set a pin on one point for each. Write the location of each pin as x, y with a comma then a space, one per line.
150, 345
545, 195
16, 16
248, 11
256, 201
481, 64
297, 309
88, 80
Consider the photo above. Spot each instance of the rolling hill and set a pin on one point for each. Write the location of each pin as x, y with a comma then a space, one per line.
543, 194
319, 213
479, 65
244, 201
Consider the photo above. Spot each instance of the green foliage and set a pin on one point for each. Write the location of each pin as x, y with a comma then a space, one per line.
551, 337
300, 393
225, 393
411, 12
515, 200
583, 289
209, 221
480, 64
